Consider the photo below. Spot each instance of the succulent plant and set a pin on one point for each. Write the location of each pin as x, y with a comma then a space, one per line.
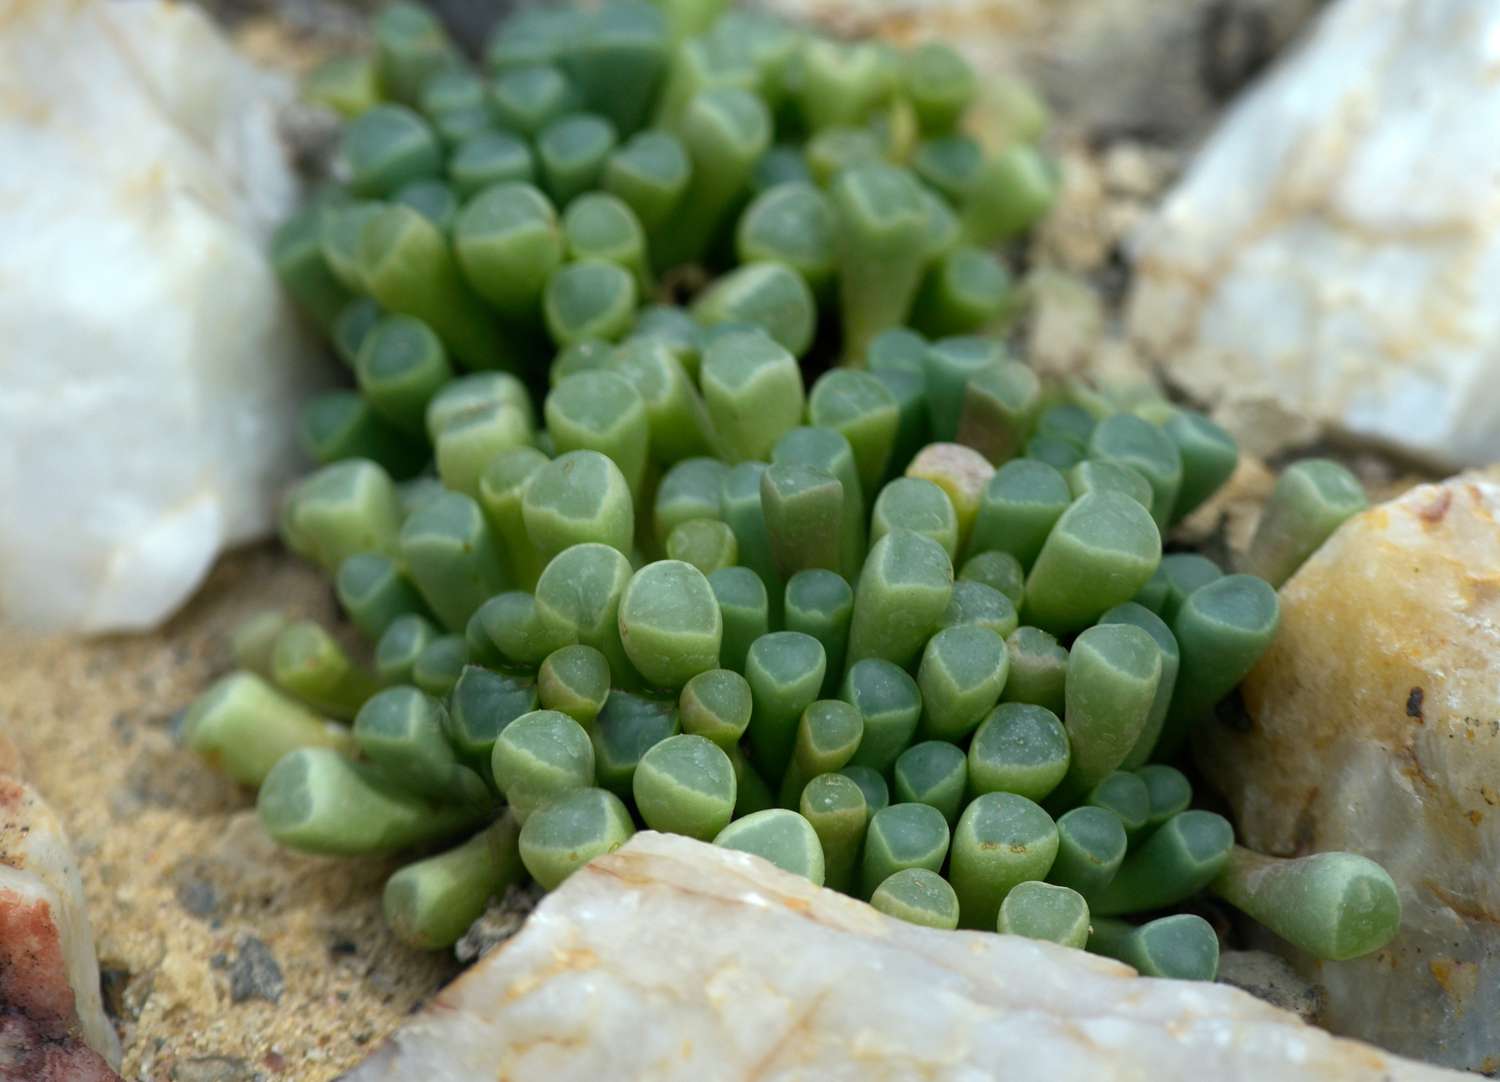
794, 557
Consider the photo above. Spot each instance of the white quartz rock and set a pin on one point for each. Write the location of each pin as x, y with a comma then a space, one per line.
151, 368
52, 1028
1375, 727
671, 959
1333, 254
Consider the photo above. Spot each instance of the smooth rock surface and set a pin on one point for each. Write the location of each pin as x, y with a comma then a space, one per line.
1332, 257
1374, 726
52, 1023
671, 959
151, 369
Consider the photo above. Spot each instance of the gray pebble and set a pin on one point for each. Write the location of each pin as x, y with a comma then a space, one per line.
255, 974
197, 896
211, 1069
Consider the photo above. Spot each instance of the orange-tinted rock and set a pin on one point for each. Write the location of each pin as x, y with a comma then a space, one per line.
1374, 726
52, 1024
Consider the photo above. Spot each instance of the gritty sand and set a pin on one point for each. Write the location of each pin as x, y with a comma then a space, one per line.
192, 906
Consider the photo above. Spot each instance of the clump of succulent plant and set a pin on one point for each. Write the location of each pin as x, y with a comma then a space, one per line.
802, 562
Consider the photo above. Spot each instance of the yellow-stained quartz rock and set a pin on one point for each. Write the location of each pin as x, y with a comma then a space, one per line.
1374, 726
670, 959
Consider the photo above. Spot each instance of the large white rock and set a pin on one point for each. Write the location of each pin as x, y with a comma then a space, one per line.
1374, 726
150, 369
1333, 254
670, 959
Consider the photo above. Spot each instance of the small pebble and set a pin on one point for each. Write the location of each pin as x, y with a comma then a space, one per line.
197, 896
255, 974
211, 1069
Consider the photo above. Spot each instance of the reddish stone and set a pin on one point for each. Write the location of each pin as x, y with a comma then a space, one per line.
50, 1012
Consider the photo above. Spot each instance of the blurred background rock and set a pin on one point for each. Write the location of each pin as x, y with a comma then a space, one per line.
1111, 69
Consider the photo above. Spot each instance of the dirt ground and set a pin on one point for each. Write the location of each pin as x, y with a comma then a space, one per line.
223, 958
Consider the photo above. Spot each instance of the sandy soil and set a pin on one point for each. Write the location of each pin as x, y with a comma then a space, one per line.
223, 958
